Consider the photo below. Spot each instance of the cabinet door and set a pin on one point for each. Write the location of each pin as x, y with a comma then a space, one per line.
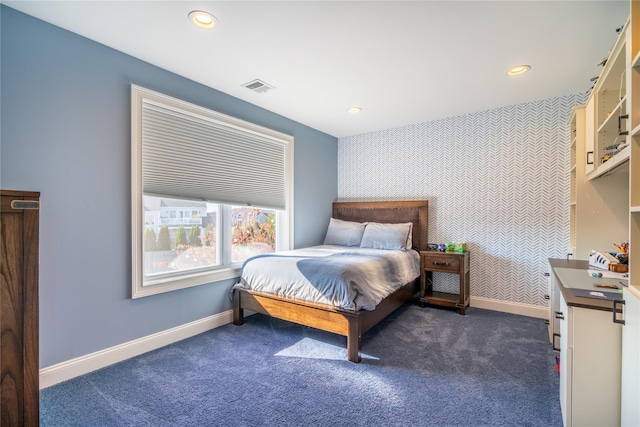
554, 306
590, 135
551, 310
630, 415
566, 362
595, 374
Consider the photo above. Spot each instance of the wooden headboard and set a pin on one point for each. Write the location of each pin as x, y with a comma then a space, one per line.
415, 211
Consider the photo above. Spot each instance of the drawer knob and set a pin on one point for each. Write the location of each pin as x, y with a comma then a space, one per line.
440, 263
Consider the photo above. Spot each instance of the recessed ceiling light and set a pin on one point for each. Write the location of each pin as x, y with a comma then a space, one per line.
518, 69
202, 18
354, 110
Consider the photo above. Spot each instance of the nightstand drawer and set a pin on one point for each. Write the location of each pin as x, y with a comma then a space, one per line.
443, 262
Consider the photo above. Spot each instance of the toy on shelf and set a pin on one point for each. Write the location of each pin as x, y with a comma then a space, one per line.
623, 247
602, 260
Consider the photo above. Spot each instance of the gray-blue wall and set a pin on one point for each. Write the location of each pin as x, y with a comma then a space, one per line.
65, 131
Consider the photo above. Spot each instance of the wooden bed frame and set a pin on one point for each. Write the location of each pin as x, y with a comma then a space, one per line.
349, 323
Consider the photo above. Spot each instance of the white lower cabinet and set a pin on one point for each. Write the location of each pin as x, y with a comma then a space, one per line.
590, 365
630, 414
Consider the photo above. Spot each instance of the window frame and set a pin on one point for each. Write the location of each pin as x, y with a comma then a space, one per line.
228, 270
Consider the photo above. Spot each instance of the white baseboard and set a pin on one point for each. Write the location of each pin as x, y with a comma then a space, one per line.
510, 307
82, 365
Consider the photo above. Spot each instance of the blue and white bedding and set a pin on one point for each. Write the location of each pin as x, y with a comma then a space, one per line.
345, 277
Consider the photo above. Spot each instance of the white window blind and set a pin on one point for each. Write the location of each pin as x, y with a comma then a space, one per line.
189, 154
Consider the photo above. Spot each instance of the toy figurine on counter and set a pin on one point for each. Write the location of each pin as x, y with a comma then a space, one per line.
622, 247
623, 256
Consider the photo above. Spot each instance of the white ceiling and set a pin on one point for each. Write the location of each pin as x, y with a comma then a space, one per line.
402, 62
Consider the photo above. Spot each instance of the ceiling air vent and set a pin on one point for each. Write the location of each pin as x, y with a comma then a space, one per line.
258, 86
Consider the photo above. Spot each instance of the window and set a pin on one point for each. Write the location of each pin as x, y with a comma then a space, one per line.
208, 191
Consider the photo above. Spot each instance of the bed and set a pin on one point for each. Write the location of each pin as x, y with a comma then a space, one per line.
349, 322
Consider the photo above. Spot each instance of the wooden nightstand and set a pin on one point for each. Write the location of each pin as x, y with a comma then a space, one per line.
444, 262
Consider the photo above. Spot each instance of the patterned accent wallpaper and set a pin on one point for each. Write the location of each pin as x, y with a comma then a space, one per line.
497, 180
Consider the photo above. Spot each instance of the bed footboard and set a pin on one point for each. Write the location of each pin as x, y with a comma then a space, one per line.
351, 324
324, 317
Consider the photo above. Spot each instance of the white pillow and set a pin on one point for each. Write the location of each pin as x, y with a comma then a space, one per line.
387, 236
344, 233
410, 238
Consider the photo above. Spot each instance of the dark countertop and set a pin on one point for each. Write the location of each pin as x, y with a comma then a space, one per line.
567, 294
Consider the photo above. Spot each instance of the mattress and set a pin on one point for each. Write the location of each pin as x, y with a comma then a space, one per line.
350, 278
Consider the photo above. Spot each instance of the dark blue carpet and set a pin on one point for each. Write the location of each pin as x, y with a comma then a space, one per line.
421, 366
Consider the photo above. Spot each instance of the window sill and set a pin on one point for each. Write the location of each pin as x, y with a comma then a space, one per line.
157, 286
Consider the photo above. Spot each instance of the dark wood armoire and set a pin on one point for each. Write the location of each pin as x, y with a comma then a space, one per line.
19, 384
